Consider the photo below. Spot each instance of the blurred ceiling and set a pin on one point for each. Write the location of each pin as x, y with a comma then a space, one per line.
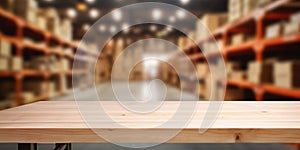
197, 7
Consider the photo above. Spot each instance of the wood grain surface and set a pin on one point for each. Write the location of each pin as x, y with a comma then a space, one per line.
237, 122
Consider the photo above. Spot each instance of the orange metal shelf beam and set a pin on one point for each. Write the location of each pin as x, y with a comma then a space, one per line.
282, 91
240, 48
242, 84
286, 39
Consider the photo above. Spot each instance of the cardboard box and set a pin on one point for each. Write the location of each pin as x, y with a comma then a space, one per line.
238, 75
234, 94
274, 30
39, 88
41, 22
291, 28
259, 72
286, 74
65, 64
52, 89
208, 24
4, 65
202, 70
5, 48
231, 67
238, 39
249, 6
16, 63
27, 9
25, 96
295, 17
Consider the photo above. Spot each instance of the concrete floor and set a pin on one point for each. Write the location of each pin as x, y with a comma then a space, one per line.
140, 91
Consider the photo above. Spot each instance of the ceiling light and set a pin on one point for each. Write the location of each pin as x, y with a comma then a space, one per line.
102, 28
172, 19
126, 30
48, 1
153, 28
90, 1
156, 14
86, 27
117, 15
71, 13
112, 29
184, 2
125, 26
94, 13
180, 14
81, 6
169, 28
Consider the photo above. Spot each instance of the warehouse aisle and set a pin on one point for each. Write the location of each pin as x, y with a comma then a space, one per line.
139, 91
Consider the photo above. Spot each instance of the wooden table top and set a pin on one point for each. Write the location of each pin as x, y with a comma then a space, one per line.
61, 122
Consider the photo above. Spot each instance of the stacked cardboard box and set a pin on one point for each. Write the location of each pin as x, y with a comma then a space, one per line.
293, 26
274, 30
39, 88
66, 29
5, 53
234, 94
53, 20
39, 63
27, 9
232, 67
260, 72
235, 10
41, 21
202, 70
65, 64
208, 24
286, 74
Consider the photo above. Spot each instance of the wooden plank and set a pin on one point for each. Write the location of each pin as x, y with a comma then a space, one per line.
61, 122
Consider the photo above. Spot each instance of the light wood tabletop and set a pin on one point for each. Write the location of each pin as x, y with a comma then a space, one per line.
61, 122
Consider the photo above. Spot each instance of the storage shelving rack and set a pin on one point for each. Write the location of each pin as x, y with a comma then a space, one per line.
14, 29
275, 11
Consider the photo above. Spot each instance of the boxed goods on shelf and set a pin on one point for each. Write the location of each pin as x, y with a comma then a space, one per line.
209, 23
37, 87
25, 97
65, 64
52, 89
6, 86
53, 20
260, 72
39, 63
295, 17
41, 20
5, 48
183, 42
291, 28
238, 39
274, 30
16, 63
235, 9
231, 67
249, 6
4, 65
234, 94
66, 29
7, 5
286, 74
238, 75
202, 70
4, 104
294, 25
27, 9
